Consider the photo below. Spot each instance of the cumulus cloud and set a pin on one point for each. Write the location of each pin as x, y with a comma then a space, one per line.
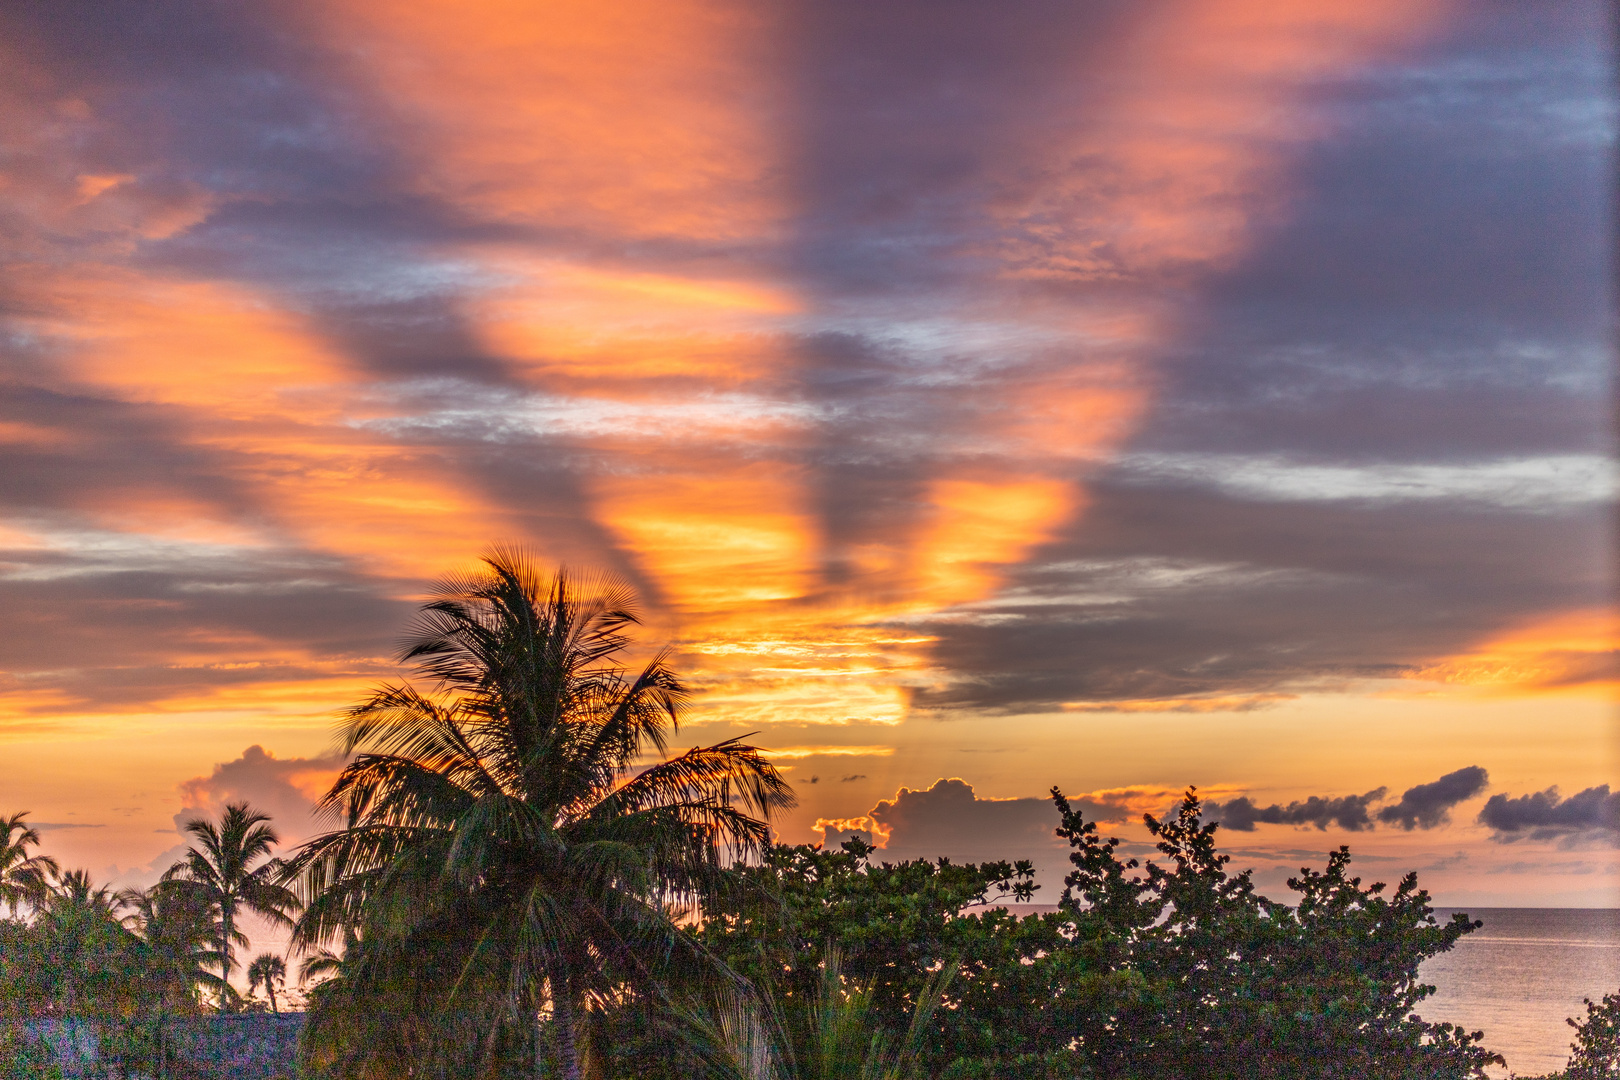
950, 819
284, 788
1428, 805
1590, 814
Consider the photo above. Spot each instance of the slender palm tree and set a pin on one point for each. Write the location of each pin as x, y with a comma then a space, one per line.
221, 871
266, 970
24, 878
498, 829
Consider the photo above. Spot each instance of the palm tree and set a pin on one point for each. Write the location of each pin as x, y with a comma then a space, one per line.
497, 829
24, 878
177, 930
266, 969
221, 872
75, 889
88, 953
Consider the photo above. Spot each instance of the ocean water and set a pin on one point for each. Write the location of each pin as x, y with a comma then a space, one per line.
1520, 975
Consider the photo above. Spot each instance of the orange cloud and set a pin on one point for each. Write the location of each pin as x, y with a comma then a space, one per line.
863, 824
1194, 704
1196, 131
795, 753
273, 406
721, 539
1568, 652
633, 122
981, 525
639, 119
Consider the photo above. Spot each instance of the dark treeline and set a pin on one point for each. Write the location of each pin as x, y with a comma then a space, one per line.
508, 890
132, 965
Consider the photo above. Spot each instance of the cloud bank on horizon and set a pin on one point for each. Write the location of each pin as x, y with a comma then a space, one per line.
1182, 357
950, 819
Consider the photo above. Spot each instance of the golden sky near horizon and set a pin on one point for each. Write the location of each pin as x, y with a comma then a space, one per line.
1101, 399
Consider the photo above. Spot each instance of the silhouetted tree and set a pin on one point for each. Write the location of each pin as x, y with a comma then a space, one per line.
230, 870
23, 877
266, 970
1232, 986
503, 855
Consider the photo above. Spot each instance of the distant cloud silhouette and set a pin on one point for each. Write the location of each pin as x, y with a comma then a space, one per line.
1542, 815
1425, 806
1428, 805
950, 819
49, 826
1347, 811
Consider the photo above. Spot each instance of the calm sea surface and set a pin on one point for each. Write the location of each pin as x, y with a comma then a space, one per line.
1521, 975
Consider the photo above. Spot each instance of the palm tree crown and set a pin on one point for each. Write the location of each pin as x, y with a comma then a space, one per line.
221, 871
180, 939
24, 878
87, 949
501, 828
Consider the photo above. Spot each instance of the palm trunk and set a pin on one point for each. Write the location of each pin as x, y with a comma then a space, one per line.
225, 955
562, 1003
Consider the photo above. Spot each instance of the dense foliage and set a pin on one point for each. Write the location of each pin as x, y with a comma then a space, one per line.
1180, 970
813, 963
119, 965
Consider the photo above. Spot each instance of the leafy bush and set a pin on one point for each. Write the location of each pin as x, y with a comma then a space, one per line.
1595, 1053
1172, 970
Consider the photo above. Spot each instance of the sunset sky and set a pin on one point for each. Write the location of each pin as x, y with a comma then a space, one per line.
1119, 394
